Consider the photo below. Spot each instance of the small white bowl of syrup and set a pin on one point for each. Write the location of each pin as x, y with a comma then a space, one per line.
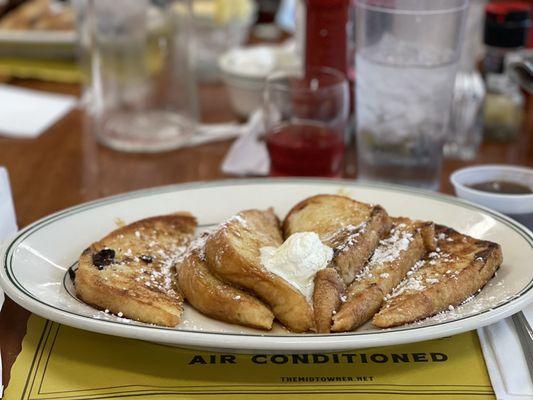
504, 188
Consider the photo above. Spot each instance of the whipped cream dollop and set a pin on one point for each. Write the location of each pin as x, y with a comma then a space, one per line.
297, 260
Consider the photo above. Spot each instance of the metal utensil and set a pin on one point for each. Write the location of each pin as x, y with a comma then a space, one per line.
525, 335
520, 69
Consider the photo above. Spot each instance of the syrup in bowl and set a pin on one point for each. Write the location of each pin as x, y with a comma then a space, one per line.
502, 187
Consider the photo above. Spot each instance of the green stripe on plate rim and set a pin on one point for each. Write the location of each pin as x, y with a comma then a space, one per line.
36, 226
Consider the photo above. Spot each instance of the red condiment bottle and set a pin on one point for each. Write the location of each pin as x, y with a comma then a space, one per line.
310, 142
326, 37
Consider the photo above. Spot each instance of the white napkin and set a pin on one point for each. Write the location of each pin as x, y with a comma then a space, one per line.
207, 133
8, 226
26, 113
248, 155
505, 359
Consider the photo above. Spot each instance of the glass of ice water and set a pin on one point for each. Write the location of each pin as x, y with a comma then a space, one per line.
139, 88
407, 56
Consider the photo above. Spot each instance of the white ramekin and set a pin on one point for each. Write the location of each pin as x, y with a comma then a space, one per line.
504, 203
245, 83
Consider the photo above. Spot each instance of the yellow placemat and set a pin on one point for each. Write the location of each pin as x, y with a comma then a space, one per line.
59, 362
64, 71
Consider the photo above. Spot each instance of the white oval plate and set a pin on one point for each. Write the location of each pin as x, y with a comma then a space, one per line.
36, 261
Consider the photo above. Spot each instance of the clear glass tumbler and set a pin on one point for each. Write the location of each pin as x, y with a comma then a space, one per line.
406, 61
466, 119
305, 117
140, 92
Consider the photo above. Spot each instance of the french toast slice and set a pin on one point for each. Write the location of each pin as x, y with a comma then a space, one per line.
328, 292
217, 299
407, 242
351, 228
233, 253
130, 271
458, 268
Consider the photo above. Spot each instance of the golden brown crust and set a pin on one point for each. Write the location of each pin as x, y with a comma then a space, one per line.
181, 221
353, 229
359, 309
329, 288
325, 213
217, 299
233, 254
365, 295
137, 282
461, 266
352, 257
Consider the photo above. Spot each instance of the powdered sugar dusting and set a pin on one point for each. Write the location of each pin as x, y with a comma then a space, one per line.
440, 266
388, 250
352, 232
234, 218
158, 274
198, 244
473, 304
419, 281
411, 283
148, 261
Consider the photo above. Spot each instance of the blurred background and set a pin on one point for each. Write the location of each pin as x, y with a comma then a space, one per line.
113, 96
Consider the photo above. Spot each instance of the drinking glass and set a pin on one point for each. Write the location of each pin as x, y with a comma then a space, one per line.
406, 61
466, 117
305, 116
140, 92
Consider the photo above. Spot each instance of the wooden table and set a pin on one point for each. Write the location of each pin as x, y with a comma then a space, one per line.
65, 166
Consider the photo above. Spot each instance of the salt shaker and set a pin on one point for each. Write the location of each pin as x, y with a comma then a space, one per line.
506, 29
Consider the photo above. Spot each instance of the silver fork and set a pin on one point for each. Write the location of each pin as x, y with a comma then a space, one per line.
525, 335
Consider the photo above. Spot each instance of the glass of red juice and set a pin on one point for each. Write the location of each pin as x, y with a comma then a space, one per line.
305, 116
